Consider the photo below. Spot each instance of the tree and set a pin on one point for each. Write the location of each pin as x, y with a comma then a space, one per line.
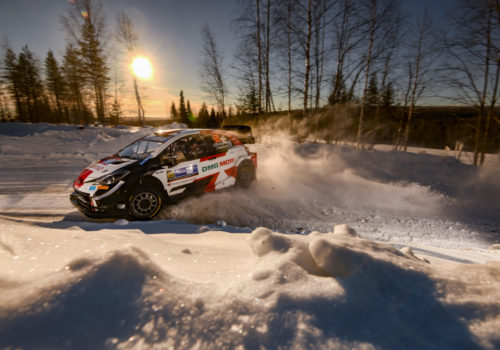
126, 35
372, 95
378, 24
249, 59
474, 70
75, 79
286, 47
12, 78
55, 83
212, 121
203, 120
183, 116
245, 68
30, 85
348, 36
173, 112
421, 59
85, 24
189, 112
116, 111
212, 70
307, 52
339, 93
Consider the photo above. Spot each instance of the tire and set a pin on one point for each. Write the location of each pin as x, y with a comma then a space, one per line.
145, 202
245, 174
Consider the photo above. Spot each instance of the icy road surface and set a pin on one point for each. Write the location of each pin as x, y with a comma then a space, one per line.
419, 266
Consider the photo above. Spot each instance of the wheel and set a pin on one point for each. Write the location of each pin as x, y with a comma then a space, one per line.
145, 202
245, 174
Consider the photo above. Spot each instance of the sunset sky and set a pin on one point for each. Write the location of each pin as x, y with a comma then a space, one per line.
170, 37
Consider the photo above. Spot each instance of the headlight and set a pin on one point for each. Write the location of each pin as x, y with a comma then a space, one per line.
112, 178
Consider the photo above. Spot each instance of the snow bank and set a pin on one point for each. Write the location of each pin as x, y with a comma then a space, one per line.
331, 290
388, 196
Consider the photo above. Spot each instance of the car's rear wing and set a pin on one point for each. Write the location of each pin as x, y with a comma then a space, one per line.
242, 132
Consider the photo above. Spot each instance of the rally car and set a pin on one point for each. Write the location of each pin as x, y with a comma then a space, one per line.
160, 169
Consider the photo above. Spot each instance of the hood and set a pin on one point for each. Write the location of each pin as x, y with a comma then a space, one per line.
101, 168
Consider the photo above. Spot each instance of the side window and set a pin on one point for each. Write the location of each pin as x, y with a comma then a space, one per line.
209, 142
176, 150
216, 143
195, 147
188, 148
221, 142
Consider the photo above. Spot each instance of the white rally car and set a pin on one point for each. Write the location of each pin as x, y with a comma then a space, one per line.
162, 168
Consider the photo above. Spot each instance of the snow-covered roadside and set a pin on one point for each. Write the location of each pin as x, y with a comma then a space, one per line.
69, 282
121, 288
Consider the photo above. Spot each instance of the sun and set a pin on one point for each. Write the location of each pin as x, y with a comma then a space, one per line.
142, 68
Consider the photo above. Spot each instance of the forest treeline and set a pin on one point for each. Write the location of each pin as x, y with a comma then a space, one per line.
351, 69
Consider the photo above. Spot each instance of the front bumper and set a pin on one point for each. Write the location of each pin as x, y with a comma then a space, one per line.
111, 204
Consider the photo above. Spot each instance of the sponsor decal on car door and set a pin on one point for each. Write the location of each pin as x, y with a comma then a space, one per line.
181, 175
220, 168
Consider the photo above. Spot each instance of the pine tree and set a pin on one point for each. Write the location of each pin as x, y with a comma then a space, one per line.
190, 115
116, 112
183, 116
55, 83
388, 96
173, 113
74, 77
372, 93
86, 26
339, 93
212, 121
31, 86
203, 117
12, 78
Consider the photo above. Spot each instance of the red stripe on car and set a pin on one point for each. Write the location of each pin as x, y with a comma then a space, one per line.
204, 159
231, 171
211, 184
81, 179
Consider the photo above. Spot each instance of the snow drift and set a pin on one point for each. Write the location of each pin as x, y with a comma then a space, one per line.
316, 291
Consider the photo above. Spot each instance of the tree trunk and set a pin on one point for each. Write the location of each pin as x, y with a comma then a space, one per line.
259, 56
289, 48
359, 138
491, 112
479, 124
307, 54
140, 108
268, 86
414, 89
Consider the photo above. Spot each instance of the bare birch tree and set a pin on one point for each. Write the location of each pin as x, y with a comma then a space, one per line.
349, 34
474, 67
129, 39
380, 14
421, 58
212, 70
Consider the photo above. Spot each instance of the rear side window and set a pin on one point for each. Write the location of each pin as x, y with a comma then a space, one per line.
216, 142
221, 142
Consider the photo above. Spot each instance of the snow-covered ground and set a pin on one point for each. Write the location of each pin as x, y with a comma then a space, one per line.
421, 272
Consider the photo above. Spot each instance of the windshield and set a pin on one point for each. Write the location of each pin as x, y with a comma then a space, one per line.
140, 149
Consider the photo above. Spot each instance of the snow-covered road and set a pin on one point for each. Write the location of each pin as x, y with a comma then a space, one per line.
183, 281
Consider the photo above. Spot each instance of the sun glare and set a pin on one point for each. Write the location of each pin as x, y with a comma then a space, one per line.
142, 67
